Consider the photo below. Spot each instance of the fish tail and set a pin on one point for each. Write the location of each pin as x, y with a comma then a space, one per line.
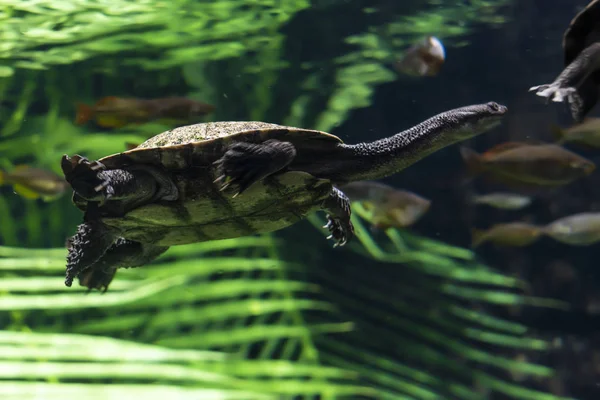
477, 237
84, 113
474, 199
558, 134
472, 160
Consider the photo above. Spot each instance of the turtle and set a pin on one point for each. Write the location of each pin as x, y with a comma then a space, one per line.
221, 180
579, 82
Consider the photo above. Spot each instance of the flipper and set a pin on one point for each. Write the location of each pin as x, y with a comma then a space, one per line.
93, 182
337, 207
578, 83
122, 254
246, 163
86, 247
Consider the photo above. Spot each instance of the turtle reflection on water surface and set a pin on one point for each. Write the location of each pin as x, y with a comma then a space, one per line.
230, 179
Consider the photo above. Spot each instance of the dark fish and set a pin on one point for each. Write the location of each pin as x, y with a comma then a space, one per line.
34, 183
116, 112
424, 58
532, 164
577, 230
512, 234
387, 206
586, 133
506, 201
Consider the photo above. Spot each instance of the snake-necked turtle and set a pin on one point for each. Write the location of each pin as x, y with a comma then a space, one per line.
230, 179
579, 82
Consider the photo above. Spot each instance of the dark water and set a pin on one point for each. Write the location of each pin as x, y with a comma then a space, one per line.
397, 328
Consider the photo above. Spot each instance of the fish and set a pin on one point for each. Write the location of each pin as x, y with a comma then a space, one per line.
424, 58
34, 183
586, 133
512, 234
387, 206
117, 112
539, 164
581, 229
505, 201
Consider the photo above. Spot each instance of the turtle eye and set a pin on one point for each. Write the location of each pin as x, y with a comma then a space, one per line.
493, 106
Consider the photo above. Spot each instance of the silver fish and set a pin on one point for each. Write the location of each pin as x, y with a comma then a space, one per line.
505, 201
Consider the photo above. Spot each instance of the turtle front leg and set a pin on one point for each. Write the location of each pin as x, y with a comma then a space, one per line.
122, 254
567, 85
246, 163
93, 182
86, 247
337, 207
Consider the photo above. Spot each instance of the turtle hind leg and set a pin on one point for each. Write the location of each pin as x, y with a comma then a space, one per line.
88, 245
337, 207
93, 182
246, 163
584, 99
122, 254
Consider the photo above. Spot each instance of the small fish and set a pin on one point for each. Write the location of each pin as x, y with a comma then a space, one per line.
117, 112
586, 133
424, 58
577, 230
34, 183
512, 234
388, 207
532, 164
505, 201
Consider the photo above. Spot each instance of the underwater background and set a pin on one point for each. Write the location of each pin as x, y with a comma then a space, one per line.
404, 313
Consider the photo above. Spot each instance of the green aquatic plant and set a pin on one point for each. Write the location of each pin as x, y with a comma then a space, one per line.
40, 34
246, 322
234, 318
434, 339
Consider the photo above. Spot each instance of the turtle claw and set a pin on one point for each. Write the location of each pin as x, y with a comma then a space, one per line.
340, 231
553, 92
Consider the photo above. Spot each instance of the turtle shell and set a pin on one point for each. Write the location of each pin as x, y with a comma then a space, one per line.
203, 212
583, 31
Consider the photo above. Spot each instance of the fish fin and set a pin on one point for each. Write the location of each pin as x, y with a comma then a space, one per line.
502, 147
84, 113
51, 197
107, 100
529, 188
474, 199
558, 134
401, 217
21, 167
368, 205
477, 237
131, 146
473, 160
25, 192
108, 121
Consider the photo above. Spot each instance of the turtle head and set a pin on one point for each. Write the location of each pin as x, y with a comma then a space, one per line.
475, 119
